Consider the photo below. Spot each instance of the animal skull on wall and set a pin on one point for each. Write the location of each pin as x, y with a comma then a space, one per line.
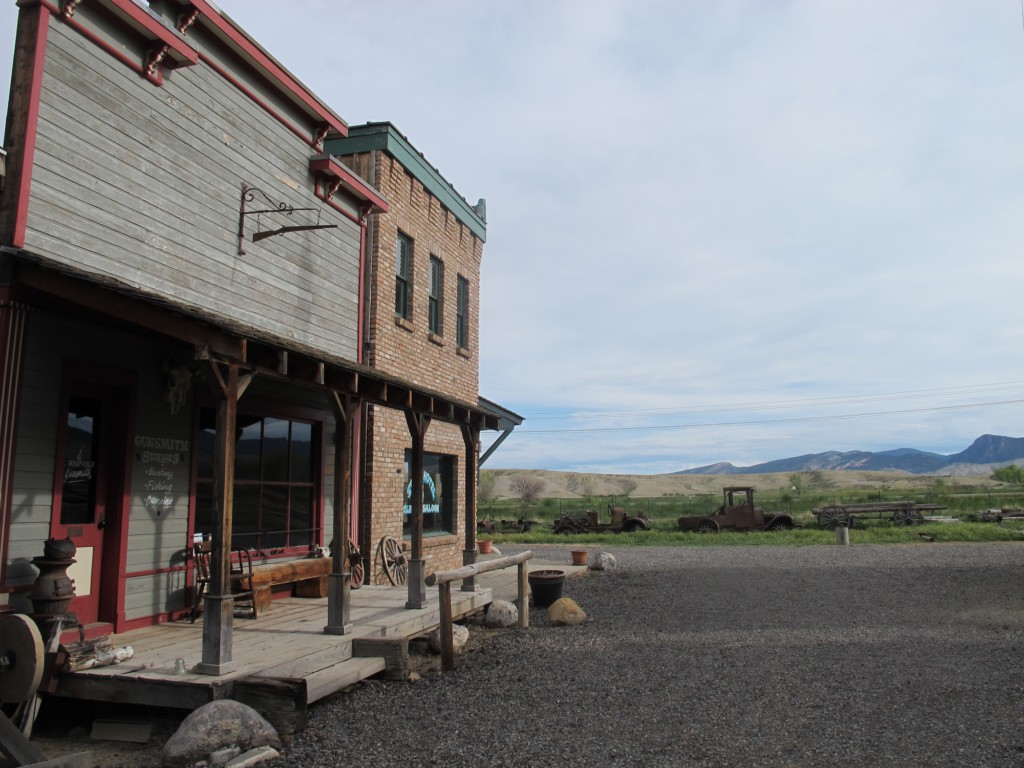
179, 380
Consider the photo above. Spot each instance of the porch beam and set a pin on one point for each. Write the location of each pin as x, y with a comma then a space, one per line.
417, 594
339, 599
219, 604
471, 439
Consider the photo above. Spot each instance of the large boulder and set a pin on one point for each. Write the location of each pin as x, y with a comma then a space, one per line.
565, 612
603, 561
216, 726
501, 614
460, 636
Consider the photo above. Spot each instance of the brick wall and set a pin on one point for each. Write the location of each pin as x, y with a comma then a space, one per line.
408, 350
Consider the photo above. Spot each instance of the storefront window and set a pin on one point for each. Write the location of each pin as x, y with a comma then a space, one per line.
276, 476
438, 490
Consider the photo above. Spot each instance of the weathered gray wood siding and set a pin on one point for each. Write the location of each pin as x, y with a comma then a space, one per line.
158, 522
142, 184
156, 535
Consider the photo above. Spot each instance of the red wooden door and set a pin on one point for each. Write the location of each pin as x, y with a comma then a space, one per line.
89, 495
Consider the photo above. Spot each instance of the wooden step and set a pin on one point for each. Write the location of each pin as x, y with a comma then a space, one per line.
310, 663
341, 675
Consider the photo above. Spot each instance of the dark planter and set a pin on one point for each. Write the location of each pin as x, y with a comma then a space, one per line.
546, 587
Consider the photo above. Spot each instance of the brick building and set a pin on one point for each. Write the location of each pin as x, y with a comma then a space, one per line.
422, 322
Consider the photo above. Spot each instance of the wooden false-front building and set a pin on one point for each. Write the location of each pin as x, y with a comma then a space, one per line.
185, 307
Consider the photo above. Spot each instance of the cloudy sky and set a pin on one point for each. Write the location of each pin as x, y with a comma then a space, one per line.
717, 231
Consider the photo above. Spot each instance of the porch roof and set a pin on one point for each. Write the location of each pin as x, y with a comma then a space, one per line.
219, 340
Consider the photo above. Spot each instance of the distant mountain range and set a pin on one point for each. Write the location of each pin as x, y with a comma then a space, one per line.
985, 454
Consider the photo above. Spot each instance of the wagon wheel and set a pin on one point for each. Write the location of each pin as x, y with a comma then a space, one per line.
355, 564
390, 562
907, 517
707, 526
835, 517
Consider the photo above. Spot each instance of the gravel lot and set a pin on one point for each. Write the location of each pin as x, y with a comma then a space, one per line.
723, 656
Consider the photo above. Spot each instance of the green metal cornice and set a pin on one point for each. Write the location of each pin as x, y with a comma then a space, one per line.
371, 136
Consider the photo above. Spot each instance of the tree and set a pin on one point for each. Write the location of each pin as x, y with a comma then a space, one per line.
796, 482
526, 488
1009, 474
485, 487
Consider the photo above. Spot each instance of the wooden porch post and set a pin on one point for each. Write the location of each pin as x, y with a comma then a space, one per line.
339, 604
418, 423
471, 438
218, 604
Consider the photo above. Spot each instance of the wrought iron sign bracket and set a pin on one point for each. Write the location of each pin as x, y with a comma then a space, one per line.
277, 209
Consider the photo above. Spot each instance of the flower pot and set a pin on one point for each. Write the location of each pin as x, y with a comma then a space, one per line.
484, 545
546, 587
579, 556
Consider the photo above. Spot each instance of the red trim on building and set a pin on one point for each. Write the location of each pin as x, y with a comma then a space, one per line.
28, 150
157, 571
274, 71
181, 52
328, 166
259, 102
99, 42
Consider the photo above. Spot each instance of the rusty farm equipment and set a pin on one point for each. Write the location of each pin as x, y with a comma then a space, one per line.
620, 522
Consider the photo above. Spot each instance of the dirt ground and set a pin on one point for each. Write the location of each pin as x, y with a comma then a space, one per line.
65, 728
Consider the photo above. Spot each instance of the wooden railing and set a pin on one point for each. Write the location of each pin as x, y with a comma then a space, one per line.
443, 580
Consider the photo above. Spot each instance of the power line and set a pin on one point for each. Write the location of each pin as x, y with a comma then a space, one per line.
759, 422
782, 404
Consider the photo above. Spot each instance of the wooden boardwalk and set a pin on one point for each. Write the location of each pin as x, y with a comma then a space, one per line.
284, 659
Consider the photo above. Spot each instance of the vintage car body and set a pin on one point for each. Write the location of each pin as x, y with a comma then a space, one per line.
737, 513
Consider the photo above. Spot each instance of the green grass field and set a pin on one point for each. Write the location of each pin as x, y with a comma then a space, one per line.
662, 512
868, 533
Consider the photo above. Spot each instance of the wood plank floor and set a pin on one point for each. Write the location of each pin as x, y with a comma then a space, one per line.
286, 641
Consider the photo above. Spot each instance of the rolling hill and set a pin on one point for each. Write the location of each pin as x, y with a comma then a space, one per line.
984, 454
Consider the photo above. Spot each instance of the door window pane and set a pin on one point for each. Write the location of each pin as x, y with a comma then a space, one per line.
78, 493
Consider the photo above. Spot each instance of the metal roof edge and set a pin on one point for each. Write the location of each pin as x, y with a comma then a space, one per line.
504, 413
371, 136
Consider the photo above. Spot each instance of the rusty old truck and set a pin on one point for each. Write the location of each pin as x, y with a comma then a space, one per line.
620, 521
737, 513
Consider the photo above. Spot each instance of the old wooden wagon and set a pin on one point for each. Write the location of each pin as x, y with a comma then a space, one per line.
898, 512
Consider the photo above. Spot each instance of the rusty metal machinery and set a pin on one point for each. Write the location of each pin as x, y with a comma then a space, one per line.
21, 658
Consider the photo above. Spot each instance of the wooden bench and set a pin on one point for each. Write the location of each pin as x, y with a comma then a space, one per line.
309, 576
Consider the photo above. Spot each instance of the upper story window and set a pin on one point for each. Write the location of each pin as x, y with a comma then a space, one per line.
436, 309
403, 277
462, 314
